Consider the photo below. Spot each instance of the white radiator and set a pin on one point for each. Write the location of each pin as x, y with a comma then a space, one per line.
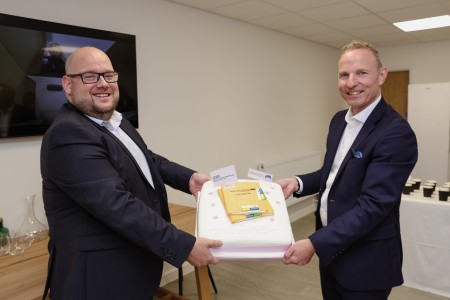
304, 163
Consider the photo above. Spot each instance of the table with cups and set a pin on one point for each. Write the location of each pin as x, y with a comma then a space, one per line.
425, 225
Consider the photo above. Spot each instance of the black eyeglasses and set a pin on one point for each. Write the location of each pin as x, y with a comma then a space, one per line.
91, 77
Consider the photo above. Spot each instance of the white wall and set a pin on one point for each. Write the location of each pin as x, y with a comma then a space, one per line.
212, 91
427, 63
429, 116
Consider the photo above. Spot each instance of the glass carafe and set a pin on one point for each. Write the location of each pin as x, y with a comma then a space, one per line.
31, 228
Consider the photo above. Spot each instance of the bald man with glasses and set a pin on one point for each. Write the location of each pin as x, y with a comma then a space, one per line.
104, 195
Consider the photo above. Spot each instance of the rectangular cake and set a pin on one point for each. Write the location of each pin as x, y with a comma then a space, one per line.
266, 237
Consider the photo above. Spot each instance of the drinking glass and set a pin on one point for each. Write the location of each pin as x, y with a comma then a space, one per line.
18, 244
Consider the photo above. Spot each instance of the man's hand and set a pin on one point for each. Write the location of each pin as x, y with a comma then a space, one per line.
288, 185
299, 253
196, 182
201, 255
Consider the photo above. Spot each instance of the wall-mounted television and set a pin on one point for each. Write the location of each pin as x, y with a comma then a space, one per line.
32, 58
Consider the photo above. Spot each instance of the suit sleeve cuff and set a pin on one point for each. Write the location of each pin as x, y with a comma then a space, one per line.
300, 186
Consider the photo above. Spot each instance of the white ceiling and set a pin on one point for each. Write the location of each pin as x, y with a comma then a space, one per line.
334, 22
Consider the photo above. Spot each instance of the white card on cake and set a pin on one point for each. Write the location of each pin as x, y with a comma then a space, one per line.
254, 239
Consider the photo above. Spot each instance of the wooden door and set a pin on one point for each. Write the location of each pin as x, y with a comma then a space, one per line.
395, 91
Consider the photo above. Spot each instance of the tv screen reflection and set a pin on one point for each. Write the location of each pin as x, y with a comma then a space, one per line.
32, 62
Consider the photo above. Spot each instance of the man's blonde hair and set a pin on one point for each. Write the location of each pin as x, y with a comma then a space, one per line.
357, 44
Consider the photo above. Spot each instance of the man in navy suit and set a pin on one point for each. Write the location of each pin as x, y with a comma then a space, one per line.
370, 152
104, 195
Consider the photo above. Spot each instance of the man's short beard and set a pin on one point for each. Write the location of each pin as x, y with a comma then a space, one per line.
88, 107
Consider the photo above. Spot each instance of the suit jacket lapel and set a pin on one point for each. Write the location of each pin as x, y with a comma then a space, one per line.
158, 182
370, 123
133, 134
335, 135
367, 128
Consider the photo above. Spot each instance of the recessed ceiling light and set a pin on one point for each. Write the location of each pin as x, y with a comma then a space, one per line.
422, 24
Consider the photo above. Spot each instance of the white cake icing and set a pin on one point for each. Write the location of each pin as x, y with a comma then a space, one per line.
261, 238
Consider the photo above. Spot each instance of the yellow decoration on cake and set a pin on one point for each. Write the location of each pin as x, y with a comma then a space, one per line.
244, 201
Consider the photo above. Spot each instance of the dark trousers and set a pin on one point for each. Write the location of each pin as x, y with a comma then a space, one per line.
331, 290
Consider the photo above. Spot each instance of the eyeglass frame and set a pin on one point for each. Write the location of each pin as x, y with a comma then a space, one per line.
98, 76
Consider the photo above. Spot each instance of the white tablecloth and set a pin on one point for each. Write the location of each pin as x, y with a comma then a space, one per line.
425, 225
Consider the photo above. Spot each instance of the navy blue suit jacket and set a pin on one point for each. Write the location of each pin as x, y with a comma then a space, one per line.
109, 228
362, 243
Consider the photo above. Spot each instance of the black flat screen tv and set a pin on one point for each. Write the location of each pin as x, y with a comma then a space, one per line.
32, 58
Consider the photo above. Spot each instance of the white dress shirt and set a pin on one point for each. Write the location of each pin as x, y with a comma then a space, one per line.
113, 126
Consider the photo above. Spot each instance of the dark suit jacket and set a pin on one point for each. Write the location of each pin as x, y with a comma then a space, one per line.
109, 229
362, 243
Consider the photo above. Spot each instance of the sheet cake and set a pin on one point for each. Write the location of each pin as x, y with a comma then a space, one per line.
260, 238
